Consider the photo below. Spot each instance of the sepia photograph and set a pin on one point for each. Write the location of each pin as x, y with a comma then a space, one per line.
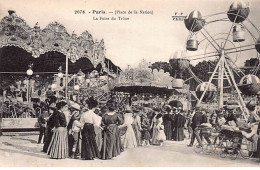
134, 83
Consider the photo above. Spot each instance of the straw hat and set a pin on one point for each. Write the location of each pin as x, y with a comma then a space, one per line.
75, 106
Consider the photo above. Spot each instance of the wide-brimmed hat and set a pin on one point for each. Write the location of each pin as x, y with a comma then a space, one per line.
75, 106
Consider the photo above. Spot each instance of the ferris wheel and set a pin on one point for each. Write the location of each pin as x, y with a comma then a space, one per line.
226, 38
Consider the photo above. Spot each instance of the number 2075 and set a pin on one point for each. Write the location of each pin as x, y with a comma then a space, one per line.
79, 12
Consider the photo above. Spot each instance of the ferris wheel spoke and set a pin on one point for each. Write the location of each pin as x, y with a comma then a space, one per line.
210, 41
223, 19
255, 39
247, 49
253, 25
243, 46
231, 29
234, 64
208, 16
197, 55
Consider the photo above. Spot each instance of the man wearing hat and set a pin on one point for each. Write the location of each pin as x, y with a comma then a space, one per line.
196, 121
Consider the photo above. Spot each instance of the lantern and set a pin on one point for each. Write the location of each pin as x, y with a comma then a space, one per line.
249, 85
238, 11
194, 22
210, 93
76, 87
29, 72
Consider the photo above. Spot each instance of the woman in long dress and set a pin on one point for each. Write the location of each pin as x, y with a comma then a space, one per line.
58, 148
129, 139
179, 122
89, 148
111, 141
50, 124
167, 120
154, 129
98, 129
137, 126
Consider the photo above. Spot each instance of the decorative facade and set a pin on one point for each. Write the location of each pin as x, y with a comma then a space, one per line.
14, 31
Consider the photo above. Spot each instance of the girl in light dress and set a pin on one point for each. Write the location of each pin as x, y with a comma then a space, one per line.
161, 137
158, 130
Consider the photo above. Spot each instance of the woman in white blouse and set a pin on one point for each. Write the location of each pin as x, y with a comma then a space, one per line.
89, 148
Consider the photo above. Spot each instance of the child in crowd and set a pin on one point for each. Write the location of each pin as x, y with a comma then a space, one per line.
145, 125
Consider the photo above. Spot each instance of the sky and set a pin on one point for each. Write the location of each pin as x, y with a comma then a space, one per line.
153, 37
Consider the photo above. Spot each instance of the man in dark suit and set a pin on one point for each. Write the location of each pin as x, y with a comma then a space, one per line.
196, 121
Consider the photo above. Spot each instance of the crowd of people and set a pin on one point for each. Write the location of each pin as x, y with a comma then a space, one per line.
227, 120
90, 131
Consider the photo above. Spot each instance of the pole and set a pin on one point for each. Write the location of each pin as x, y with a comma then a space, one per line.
207, 86
239, 95
221, 80
66, 77
29, 93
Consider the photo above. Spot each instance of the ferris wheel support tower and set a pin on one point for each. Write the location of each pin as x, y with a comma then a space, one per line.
223, 71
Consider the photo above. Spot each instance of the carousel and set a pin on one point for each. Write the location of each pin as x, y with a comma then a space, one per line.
35, 63
149, 88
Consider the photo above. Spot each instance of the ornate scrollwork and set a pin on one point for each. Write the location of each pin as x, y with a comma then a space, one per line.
15, 32
144, 76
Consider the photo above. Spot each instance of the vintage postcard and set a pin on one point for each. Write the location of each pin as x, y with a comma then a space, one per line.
134, 83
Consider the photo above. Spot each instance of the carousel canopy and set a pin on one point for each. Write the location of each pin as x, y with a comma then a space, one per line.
40, 45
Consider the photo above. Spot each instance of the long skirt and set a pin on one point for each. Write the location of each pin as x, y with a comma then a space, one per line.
111, 142
168, 129
137, 134
154, 137
98, 133
178, 134
58, 148
89, 148
129, 139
